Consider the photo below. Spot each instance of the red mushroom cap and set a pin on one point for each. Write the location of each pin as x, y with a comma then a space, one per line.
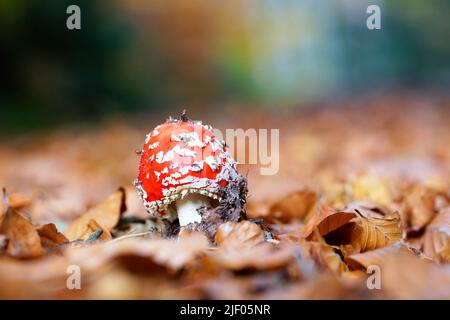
181, 157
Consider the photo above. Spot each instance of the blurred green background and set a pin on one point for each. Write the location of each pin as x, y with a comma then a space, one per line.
134, 56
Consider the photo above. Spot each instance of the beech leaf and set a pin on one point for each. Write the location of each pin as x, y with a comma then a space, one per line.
106, 214
437, 234
22, 239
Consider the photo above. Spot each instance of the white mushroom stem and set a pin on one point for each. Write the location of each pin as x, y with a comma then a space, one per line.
187, 208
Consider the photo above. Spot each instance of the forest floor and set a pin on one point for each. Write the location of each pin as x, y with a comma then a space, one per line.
360, 208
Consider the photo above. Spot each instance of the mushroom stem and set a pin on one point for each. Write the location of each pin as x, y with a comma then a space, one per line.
187, 208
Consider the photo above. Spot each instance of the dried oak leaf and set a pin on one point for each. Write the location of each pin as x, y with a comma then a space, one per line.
238, 234
50, 237
295, 206
106, 214
22, 239
437, 234
326, 220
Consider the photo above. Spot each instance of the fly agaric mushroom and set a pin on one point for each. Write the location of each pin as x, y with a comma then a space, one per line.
183, 168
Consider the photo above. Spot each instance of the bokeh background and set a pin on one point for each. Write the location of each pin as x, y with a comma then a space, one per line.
136, 56
364, 117
75, 105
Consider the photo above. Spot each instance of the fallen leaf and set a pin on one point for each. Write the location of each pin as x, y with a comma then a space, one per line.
406, 276
437, 234
92, 227
326, 220
371, 233
169, 253
18, 201
443, 256
265, 256
419, 207
294, 206
327, 258
50, 237
107, 214
244, 233
376, 257
22, 239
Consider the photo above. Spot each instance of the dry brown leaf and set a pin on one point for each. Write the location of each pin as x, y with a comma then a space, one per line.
265, 256
106, 214
437, 234
371, 233
327, 258
93, 226
369, 230
376, 257
173, 254
326, 220
443, 256
419, 207
244, 233
22, 239
50, 237
405, 276
295, 205
34, 279
18, 201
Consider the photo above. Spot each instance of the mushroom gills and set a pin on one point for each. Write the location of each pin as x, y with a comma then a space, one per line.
187, 208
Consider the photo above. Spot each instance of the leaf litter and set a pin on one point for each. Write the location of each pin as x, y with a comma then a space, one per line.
372, 196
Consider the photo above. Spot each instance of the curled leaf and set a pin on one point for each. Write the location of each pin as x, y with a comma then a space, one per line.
437, 234
372, 233
326, 220
327, 258
94, 227
22, 239
50, 237
106, 214
244, 233
419, 207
